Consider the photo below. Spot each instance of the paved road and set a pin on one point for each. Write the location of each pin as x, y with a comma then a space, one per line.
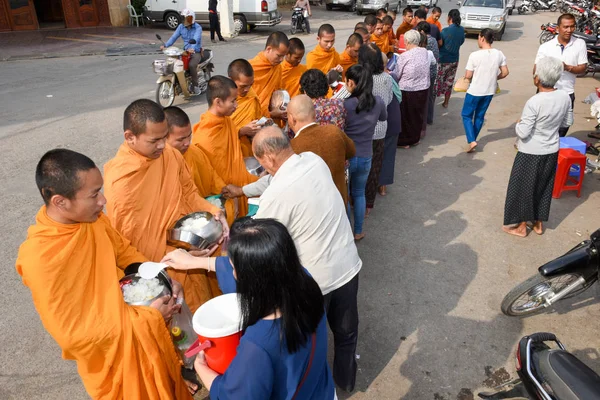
436, 264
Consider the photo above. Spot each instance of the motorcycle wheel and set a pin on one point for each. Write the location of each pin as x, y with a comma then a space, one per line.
527, 297
545, 37
553, 7
521, 10
293, 28
165, 94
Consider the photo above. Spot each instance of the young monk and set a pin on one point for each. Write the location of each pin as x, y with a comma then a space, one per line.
380, 39
267, 71
324, 57
349, 56
248, 105
364, 33
359, 25
292, 70
216, 136
381, 13
407, 18
69, 261
370, 23
206, 179
434, 18
149, 187
388, 30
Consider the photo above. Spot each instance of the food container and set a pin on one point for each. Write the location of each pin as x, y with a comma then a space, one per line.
253, 166
201, 238
162, 276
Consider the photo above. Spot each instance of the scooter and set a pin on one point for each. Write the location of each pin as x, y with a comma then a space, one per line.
564, 277
525, 7
175, 79
547, 373
550, 5
549, 31
299, 16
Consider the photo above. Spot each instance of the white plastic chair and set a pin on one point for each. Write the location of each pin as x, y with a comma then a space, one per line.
134, 16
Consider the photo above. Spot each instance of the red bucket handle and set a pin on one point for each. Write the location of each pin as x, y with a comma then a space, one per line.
196, 347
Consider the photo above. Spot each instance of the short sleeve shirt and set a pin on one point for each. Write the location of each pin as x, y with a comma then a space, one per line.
485, 65
574, 53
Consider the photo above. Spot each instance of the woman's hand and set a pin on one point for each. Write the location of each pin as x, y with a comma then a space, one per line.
220, 216
181, 260
207, 375
206, 252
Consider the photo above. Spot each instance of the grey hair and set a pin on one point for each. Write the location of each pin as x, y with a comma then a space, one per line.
272, 144
548, 70
412, 37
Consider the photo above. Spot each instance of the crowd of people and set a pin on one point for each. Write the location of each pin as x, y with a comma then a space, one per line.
294, 264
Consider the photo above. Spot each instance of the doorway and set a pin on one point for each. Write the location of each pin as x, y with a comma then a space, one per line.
50, 14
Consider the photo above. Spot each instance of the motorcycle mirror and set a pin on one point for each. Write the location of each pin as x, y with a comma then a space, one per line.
192, 41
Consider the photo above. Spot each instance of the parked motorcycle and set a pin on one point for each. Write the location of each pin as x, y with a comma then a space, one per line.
175, 78
299, 16
548, 5
548, 373
549, 31
561, 278
525, 7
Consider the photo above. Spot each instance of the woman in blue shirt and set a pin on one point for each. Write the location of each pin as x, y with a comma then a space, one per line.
283, 351
453, 36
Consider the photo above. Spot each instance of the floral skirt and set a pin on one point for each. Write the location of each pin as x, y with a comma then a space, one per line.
445, 78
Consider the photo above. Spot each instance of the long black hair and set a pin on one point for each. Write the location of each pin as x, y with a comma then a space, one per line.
364, 87
454, 15
370, 57
270, 278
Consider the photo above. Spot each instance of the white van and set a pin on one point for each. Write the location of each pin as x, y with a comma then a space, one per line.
247, 14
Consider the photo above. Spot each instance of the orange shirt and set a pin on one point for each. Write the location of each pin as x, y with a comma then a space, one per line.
322, 60
402, 29
436, 23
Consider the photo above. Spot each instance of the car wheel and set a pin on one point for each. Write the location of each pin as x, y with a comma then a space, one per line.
172, 20
500, 34
240, 25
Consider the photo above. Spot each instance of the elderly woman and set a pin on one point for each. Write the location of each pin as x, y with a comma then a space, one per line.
432, 45
370, 57
283, 350
453, 36
531, 181
412, 69
314, 84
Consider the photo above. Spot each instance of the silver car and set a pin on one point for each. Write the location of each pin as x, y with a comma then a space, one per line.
478, 15
365, 6
349, 5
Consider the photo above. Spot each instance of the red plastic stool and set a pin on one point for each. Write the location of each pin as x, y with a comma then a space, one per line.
563, 181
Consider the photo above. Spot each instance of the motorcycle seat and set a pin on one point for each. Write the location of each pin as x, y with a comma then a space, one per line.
569, 378
587, 38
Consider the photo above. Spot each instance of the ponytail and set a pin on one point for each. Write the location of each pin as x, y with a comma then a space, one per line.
364, 87
454, 15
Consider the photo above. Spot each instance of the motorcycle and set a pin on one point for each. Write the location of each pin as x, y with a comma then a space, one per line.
549, 31
548, 373
299, 16
525, 7
550, 5
175, 79
564, 277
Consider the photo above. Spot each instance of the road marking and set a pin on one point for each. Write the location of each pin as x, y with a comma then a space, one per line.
77, 40
118, 37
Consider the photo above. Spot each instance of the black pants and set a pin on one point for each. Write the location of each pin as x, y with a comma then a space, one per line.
562, 131
342, 314
215, 26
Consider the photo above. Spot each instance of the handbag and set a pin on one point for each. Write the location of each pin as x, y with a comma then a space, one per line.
313, 339
462, 84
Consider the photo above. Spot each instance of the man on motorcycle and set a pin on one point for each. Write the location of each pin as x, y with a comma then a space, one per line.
306, 12
189, 30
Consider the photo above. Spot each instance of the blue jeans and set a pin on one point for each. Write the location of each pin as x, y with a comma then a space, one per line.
473, 112
359, 173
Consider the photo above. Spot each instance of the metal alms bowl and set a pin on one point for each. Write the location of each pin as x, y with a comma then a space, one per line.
253, 166
201, 239
162, 276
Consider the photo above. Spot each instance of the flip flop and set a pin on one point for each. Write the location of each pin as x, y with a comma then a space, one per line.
594, 135
190, 376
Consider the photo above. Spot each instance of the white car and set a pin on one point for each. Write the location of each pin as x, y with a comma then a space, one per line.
247, 14
419, 3
478, 15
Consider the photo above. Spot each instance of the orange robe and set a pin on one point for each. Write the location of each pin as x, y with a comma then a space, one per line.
145, 198
290, 77
382, 42
208, 182
436, 23
402, 29
221, 144
248, 110
346, 62
267, 79
322, 60
122, 351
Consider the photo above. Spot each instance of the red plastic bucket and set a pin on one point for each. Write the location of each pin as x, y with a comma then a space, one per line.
185, 57
218, 321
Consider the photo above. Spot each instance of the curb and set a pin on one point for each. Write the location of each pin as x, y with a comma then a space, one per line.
52, 55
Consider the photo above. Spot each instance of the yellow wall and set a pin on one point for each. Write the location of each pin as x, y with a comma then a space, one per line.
118, 12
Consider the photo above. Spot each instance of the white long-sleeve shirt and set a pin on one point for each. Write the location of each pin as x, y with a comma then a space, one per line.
303, 197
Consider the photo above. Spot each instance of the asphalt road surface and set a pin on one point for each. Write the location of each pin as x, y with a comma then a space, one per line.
436, 263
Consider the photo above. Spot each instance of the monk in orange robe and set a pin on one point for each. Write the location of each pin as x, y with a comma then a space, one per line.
349, 56
267, 72
370, 23
388, 23
292, 70
380, 38
216, 136
324, 57
407, 22
248, 110
434, 18
69, 261
149, 187
364, 33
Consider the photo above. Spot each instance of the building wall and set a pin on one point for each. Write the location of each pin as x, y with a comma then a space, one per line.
118, 12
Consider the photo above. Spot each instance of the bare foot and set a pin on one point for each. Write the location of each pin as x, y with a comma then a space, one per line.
359, 236
471, 147
520, 230
368, 212
538, 227
382, 190
192, 387
404, 147
445, 105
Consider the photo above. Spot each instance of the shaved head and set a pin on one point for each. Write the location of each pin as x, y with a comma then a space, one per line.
239, 67
302, 109
326, 29
360, 25
354, 39
270, 141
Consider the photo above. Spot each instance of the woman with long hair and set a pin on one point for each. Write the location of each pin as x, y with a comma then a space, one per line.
453, 36
283, 350
370, 57
363, 112
484, 68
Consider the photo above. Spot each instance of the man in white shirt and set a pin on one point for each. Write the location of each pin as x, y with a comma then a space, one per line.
573, 53
302, 196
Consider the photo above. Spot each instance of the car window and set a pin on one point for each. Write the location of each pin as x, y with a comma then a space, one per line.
483, 3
